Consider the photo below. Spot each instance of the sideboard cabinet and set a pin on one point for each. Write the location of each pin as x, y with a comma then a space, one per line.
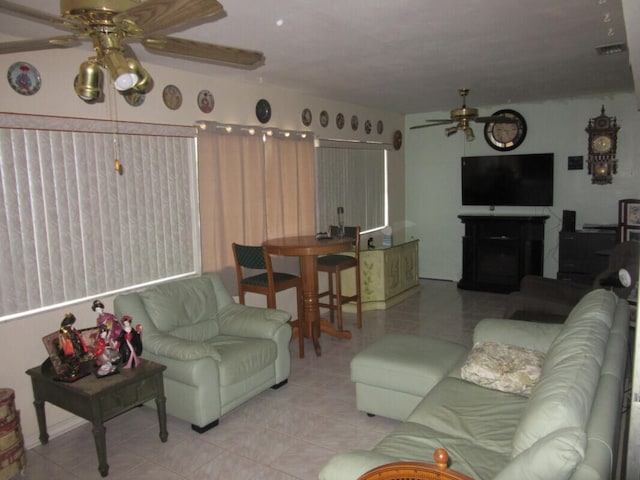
388, 275
498, 250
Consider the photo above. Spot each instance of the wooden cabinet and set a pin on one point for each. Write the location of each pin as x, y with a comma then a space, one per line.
584, 253
497, 251
388, 275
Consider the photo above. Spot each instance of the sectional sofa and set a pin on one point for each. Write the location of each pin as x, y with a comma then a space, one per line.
564, 424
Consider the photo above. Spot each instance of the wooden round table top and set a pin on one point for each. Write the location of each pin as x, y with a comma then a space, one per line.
303, 245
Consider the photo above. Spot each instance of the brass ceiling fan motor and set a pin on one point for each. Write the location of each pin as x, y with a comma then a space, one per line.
110, 24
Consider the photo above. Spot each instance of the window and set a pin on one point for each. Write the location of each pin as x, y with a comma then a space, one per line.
72, 229
355, 178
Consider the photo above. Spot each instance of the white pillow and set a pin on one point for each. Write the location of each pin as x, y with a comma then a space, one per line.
503, 367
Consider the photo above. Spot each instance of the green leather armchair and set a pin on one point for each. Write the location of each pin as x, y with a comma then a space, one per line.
218, 353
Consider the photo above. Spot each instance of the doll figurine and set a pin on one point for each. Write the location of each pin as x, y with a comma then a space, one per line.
131, 343
72, 344
108, 322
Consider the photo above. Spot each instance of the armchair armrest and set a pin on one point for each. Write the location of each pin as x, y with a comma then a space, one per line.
165, 345
246, 321
537, 336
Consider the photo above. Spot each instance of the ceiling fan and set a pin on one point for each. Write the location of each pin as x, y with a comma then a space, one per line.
462, 117
110, 24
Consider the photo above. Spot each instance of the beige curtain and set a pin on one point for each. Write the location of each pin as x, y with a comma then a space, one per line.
252, 187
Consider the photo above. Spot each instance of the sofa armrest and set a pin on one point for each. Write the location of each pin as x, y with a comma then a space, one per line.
165, 345
537, 336
351, 465
254, 322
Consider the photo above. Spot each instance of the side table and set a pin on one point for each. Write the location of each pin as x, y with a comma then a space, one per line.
100, 399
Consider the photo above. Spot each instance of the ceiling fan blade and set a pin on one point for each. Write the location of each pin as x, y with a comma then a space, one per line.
29, 13
437, 122
495, 119
39, 44
200, 51
154, 16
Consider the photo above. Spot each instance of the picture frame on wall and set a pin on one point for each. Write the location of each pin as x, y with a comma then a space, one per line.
629, 219
631, 234
633, 214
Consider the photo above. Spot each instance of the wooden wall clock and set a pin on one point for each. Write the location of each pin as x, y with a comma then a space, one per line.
602, 144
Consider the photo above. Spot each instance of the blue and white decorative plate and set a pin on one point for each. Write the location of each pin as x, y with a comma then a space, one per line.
24, 78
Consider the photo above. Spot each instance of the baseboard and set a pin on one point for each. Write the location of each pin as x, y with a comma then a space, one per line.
54, 431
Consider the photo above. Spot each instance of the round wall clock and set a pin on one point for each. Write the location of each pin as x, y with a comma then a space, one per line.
354, 122
263, 110
380, 127
367, 127
506, 136
24, 78
340, 121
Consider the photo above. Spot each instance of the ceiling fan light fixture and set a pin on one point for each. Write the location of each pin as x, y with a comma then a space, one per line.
450, 130
469, 134
145, 82
122, 70
89, 81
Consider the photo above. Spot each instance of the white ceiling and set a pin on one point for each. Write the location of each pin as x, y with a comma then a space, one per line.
411, 56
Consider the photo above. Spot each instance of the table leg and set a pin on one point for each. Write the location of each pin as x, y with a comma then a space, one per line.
101, 446
309, 274
42, 421
161, 403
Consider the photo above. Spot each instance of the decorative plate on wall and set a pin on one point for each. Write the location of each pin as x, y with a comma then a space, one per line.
367, 127
354, 122
133, 98
172, 97
24, 78
397, 140
324, 118
206, 102
379, 127
306, 117
340, 121
263, 111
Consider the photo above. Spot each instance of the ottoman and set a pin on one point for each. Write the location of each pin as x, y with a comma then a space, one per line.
395, 373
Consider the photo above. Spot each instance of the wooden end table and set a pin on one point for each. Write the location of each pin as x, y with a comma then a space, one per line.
100, 399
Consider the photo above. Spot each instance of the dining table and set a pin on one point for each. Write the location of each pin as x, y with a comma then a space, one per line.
308, 248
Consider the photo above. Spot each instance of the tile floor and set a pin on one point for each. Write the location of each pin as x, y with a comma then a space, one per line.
283, 434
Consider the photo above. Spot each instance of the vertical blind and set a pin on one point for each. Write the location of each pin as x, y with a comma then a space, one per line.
72, 228
355, 179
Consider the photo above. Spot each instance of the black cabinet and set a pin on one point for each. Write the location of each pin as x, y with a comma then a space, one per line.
584, 253
498, 250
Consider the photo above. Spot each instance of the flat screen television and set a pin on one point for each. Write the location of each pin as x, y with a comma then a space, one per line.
516, 180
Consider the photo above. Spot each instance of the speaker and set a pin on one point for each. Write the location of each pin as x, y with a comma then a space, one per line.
568, 221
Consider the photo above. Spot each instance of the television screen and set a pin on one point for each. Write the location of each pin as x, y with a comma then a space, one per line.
517, 180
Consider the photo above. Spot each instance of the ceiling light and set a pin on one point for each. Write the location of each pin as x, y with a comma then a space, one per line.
469, 134
123, 72
88, 85
450, 130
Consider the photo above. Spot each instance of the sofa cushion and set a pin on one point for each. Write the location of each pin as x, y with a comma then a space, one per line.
570, 373
554, 456
242, 357
503, 367
459, 409
176, 306
415, 442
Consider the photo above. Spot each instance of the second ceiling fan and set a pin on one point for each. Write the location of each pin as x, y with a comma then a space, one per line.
462, 117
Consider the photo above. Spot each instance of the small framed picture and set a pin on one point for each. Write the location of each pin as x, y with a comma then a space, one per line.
632, 234
633, 214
